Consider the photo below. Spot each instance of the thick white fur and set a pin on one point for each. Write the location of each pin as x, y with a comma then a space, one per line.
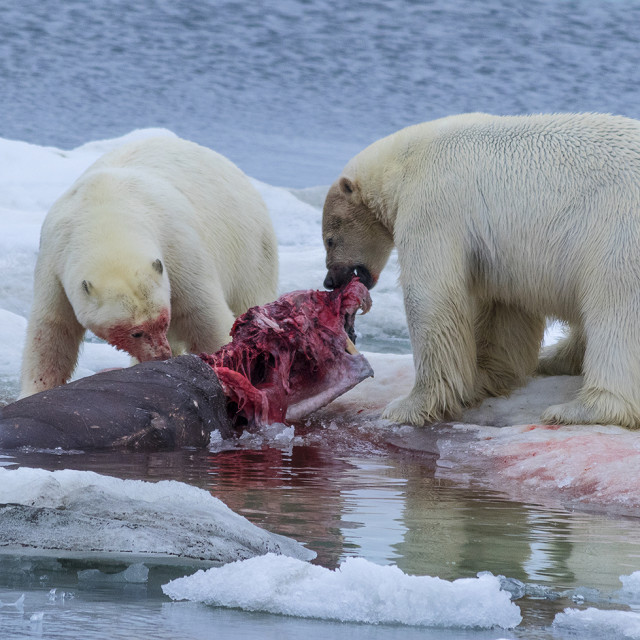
500, 222
160, 198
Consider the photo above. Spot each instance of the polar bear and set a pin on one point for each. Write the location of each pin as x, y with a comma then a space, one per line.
155, 248
500, 222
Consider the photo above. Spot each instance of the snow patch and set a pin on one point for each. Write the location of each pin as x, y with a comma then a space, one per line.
136, 573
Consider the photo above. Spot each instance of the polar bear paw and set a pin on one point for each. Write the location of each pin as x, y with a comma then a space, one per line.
573, 412
602, 408
408, 410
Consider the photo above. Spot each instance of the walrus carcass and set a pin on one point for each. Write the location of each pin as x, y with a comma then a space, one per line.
286, 359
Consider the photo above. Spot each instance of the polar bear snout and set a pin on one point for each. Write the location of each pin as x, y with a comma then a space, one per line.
150, 347
144, 346
144, 341
340, 275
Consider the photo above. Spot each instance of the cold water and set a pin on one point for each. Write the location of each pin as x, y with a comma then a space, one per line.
290, 89
377, 503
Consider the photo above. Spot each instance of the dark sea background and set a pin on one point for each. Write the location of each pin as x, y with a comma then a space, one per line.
291, 89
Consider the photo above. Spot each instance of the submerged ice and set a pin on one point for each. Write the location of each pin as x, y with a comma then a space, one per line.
73, 513
358, 591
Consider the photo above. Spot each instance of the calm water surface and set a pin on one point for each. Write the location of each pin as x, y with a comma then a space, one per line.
386, 506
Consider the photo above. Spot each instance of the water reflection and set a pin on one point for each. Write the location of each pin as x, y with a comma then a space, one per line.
293, 493
390, 509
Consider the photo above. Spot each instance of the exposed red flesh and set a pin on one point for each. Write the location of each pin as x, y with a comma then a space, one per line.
288, 357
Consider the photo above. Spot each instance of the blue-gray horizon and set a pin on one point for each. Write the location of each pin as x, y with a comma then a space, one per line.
290, 90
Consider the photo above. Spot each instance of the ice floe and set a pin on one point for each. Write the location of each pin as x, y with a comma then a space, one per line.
599, 623
358, 591
592, 466
77, 513
501, 444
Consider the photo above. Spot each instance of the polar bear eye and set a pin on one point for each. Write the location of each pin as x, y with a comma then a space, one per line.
137, 334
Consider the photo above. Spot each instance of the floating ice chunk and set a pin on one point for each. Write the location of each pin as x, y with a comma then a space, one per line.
75, 513
630, 591
516, 588
6, 461
599, 623
358, 591
135, 574
275, 435
18, 604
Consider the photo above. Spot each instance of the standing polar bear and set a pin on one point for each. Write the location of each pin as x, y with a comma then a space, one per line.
500, 222
156, 247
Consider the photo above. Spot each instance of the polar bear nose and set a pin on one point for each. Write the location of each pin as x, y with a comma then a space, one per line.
328, 282
338, 276
162, 350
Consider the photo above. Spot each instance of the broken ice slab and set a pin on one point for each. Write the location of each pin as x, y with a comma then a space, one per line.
82, 514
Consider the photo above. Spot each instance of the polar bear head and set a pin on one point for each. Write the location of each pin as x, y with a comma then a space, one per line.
128, 306
355, 240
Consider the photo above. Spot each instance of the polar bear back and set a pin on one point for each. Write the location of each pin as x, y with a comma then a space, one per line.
511, 187
193, 203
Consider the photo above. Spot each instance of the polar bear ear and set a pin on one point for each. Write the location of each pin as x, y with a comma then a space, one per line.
347, 187
87, 287
157, 266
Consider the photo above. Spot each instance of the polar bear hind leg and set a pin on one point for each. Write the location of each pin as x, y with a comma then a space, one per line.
565, 357
610, 393
508, 341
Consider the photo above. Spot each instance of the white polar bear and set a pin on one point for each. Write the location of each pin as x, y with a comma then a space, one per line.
157, 246
500, 222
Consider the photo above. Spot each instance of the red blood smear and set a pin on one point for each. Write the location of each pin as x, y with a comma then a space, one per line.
290, 344
151, 345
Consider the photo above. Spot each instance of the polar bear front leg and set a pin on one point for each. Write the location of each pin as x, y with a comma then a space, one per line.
52, 341
440, 319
